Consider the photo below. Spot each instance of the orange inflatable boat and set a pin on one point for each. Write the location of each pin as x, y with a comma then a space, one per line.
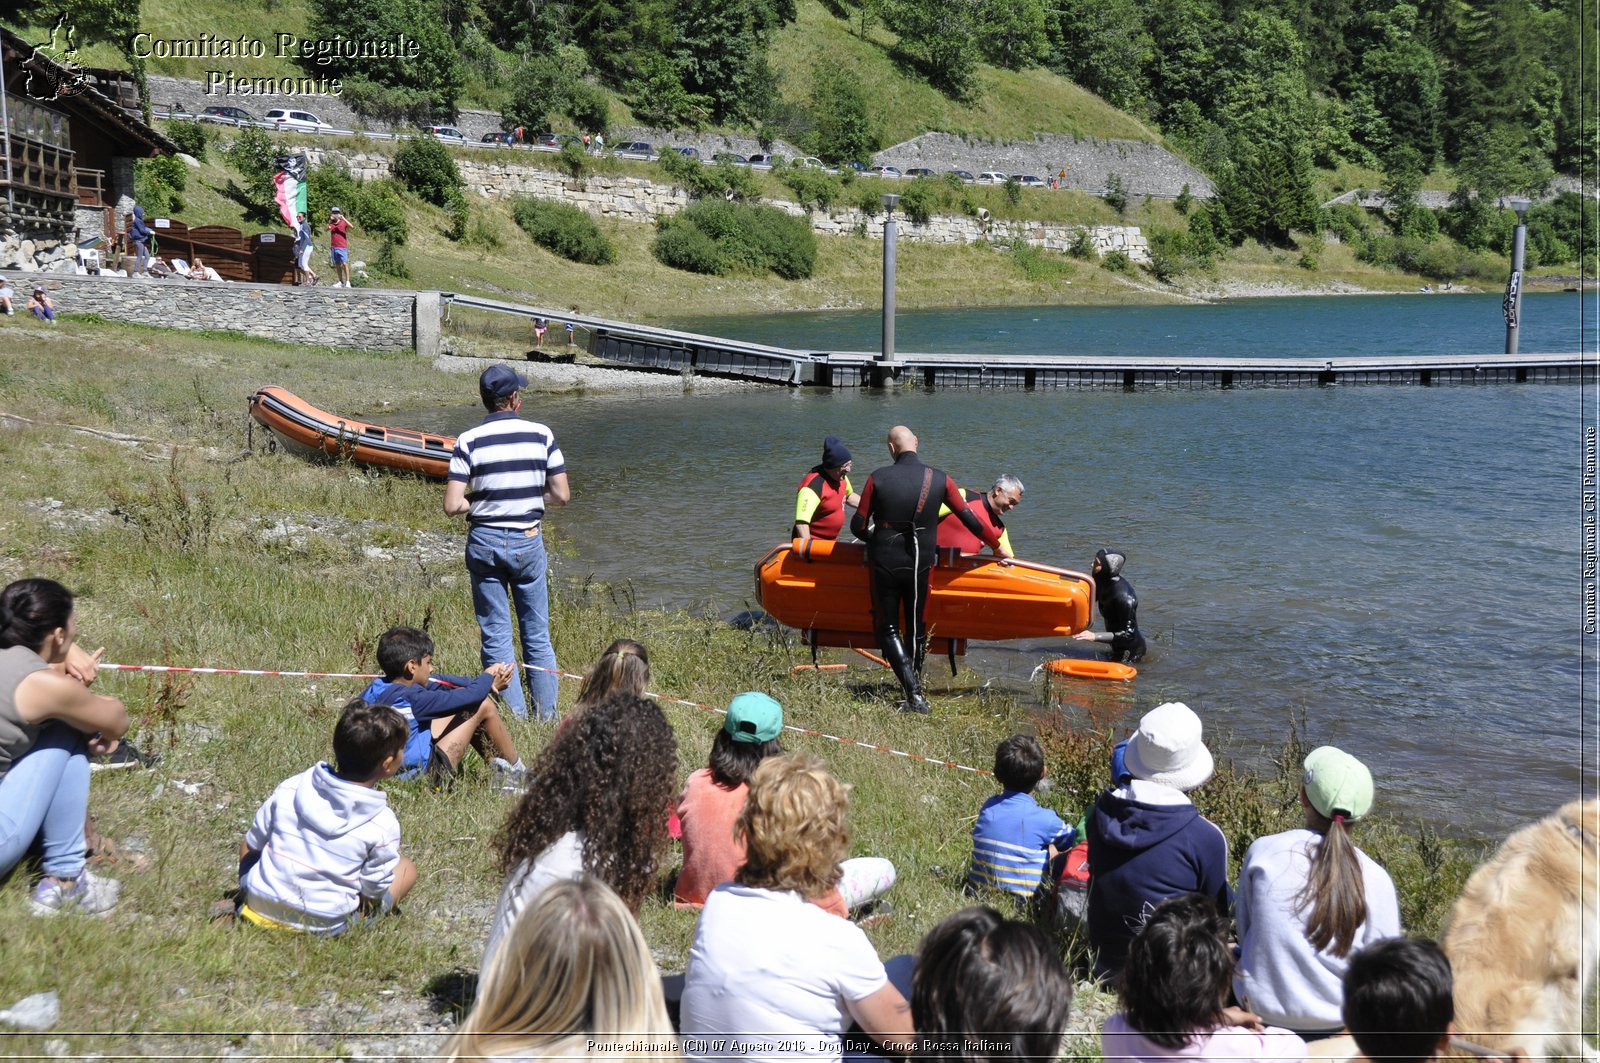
304, 429
820, 587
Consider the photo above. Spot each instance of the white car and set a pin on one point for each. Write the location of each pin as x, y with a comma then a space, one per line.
991, 177
285, 118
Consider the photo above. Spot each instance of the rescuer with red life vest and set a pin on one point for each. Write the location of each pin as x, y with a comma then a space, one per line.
1003, 497
824, 492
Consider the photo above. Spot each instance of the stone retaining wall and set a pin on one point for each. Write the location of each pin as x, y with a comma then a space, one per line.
365, 318
641, 200
1145, 169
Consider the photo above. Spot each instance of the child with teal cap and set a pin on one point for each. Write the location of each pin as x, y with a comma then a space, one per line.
714, 796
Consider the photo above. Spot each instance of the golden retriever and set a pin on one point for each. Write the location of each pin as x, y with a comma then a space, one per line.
1524, 938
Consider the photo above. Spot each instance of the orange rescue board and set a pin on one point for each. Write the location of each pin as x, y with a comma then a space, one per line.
820, 587
1090, 669
304, 429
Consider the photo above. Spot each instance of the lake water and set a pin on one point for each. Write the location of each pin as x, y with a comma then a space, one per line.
1400, 566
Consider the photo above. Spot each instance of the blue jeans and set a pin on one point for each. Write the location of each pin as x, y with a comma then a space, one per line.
508, 568
46, 792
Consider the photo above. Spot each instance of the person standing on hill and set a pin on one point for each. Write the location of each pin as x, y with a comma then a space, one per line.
303, 244
339, 245
1119, 608
503, 475
898, 517
824, 493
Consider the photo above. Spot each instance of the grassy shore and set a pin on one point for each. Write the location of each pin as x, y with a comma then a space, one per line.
130, 481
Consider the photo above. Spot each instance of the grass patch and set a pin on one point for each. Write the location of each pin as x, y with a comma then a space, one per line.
199, 554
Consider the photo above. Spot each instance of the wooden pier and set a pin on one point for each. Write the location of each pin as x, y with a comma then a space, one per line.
668, 350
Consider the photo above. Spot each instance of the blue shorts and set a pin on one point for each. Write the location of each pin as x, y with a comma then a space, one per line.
341, 255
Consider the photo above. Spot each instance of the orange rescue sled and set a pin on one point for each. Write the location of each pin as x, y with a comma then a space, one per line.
304, 429
820, 587
1081, 668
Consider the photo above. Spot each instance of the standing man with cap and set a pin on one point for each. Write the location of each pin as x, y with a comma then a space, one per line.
898, 516
1309, 900
339, 246
1147, 841
824, 492
503, 475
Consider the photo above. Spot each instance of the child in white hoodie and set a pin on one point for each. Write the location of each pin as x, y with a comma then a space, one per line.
323, 854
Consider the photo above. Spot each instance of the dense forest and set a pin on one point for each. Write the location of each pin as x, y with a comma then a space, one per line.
1260, 94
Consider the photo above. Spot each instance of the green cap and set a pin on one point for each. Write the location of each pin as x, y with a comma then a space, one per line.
753, 717
1336, 782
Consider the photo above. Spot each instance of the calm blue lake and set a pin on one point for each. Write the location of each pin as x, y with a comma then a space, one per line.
1397, 566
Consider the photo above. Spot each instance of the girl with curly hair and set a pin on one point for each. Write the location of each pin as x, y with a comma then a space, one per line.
766, 961
593, 804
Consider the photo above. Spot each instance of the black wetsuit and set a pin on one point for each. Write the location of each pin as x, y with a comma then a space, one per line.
899, 519
1119, 607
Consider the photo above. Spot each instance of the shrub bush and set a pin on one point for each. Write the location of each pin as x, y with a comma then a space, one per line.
423, 165
1040, 265
388, 263
254, 155
190, 137
381, 211
737, 238
574, 159
460, 214
158, 184
813, 189
1013, 190
1083, 246
920, 199
1117, 262
567, 231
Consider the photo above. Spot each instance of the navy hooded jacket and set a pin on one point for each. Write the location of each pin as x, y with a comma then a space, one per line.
1139, 855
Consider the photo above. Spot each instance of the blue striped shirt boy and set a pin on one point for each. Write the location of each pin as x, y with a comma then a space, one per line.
1011, 842
504, 463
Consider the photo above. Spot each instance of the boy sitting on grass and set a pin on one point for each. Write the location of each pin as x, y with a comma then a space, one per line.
445, 713
323, 854
1015, 839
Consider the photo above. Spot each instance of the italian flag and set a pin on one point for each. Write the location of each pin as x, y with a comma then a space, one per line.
289, 185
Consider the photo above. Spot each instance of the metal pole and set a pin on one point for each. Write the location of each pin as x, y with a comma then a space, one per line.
1512, 304
887, 357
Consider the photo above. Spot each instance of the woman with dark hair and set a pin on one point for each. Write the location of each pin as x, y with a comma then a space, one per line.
1308, 900
766, 961
714, 796
50, 724
593, 804
1174, 995
988, 988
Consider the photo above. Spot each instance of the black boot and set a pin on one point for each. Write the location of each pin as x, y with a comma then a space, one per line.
894, 652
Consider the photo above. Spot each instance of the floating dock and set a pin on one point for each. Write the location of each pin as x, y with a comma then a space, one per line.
668, 350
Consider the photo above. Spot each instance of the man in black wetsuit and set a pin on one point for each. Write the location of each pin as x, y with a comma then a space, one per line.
1119, 608
899, 517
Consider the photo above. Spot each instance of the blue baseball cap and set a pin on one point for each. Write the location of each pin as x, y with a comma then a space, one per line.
501, 381
753, 717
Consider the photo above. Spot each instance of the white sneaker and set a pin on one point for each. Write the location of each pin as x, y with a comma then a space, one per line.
87, 893
508, 777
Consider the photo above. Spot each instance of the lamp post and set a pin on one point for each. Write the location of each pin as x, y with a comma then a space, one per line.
1512, 305
886, 358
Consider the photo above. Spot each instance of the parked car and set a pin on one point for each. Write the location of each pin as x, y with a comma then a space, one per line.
688, 153
447, 132
992, 177
288, 118
635, 149
919, 171
1028, 180
556, 141
226, 116
886, 171
498, 139
858, 167
812, 162
730, 156
964, 175
758, 159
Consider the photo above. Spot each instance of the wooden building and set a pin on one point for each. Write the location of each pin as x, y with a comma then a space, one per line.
68, 152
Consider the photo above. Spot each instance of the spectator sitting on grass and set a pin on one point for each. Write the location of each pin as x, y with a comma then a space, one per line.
714, 797
575, 971
595, 802
444, 713
1015, 839
7, 297
624, 668
1174, 995
323, 854
987, 988
41, 306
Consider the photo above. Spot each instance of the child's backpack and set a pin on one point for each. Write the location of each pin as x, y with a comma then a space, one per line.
1072, 887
